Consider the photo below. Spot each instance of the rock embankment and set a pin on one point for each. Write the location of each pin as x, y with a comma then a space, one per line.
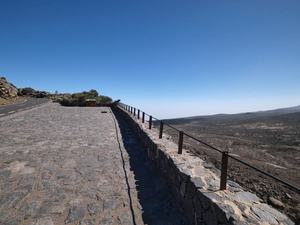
8, 92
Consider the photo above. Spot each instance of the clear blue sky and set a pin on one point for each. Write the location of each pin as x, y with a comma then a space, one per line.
169, 58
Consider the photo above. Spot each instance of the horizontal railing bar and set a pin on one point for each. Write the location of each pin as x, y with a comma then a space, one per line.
265, 173
172, 127
208, 145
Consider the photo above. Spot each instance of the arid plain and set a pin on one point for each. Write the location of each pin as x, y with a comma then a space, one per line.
268, 140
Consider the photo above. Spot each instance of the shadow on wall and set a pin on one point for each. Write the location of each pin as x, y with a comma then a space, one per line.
157, 203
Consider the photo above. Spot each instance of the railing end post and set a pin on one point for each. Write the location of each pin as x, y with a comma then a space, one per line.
180, 142
224, 168
161, 129
150, 122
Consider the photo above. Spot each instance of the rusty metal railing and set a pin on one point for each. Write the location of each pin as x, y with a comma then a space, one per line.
225, 154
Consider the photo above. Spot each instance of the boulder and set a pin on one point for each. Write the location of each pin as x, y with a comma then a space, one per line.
7, 90
276, 203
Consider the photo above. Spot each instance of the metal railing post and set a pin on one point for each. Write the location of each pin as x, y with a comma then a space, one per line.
138, 114
143, 117
180, 142
150, 122
134, 112
161, 129
224, 170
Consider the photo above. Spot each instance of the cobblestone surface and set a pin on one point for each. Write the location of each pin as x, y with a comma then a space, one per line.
77, 166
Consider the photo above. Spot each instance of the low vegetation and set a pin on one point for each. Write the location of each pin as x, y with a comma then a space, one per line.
79, 99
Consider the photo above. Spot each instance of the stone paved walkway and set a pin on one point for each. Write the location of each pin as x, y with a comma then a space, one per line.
77, 166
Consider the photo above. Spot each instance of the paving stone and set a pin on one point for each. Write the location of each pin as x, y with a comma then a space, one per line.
43, 221
12, 222
10, 200
47, 174
6, 187
93, 208
91, 176
29, 207
45, 209
27, 170
88, 222
71, 163
58, 209
63, 174
110, 203
33, 163
83, 169
87, 160
75, 213
78, 151
106, 189
28, 179
58, 196
48, 166
5, 214
75, 201
73, 180
106, 221
89, 192
4, 174
125, 218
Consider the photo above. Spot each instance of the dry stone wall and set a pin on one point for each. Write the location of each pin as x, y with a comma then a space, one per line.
195, 184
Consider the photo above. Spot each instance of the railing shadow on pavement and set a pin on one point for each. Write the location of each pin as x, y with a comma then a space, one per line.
154, 195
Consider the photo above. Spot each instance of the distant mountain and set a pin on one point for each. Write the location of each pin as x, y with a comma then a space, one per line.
281, 111
238, 116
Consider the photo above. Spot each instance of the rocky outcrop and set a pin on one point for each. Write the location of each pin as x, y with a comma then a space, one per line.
7, 90
9, 93
30, 92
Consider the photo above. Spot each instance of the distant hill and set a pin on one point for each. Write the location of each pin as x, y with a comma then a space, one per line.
238, 116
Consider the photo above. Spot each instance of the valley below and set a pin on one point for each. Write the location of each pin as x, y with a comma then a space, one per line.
269, 141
